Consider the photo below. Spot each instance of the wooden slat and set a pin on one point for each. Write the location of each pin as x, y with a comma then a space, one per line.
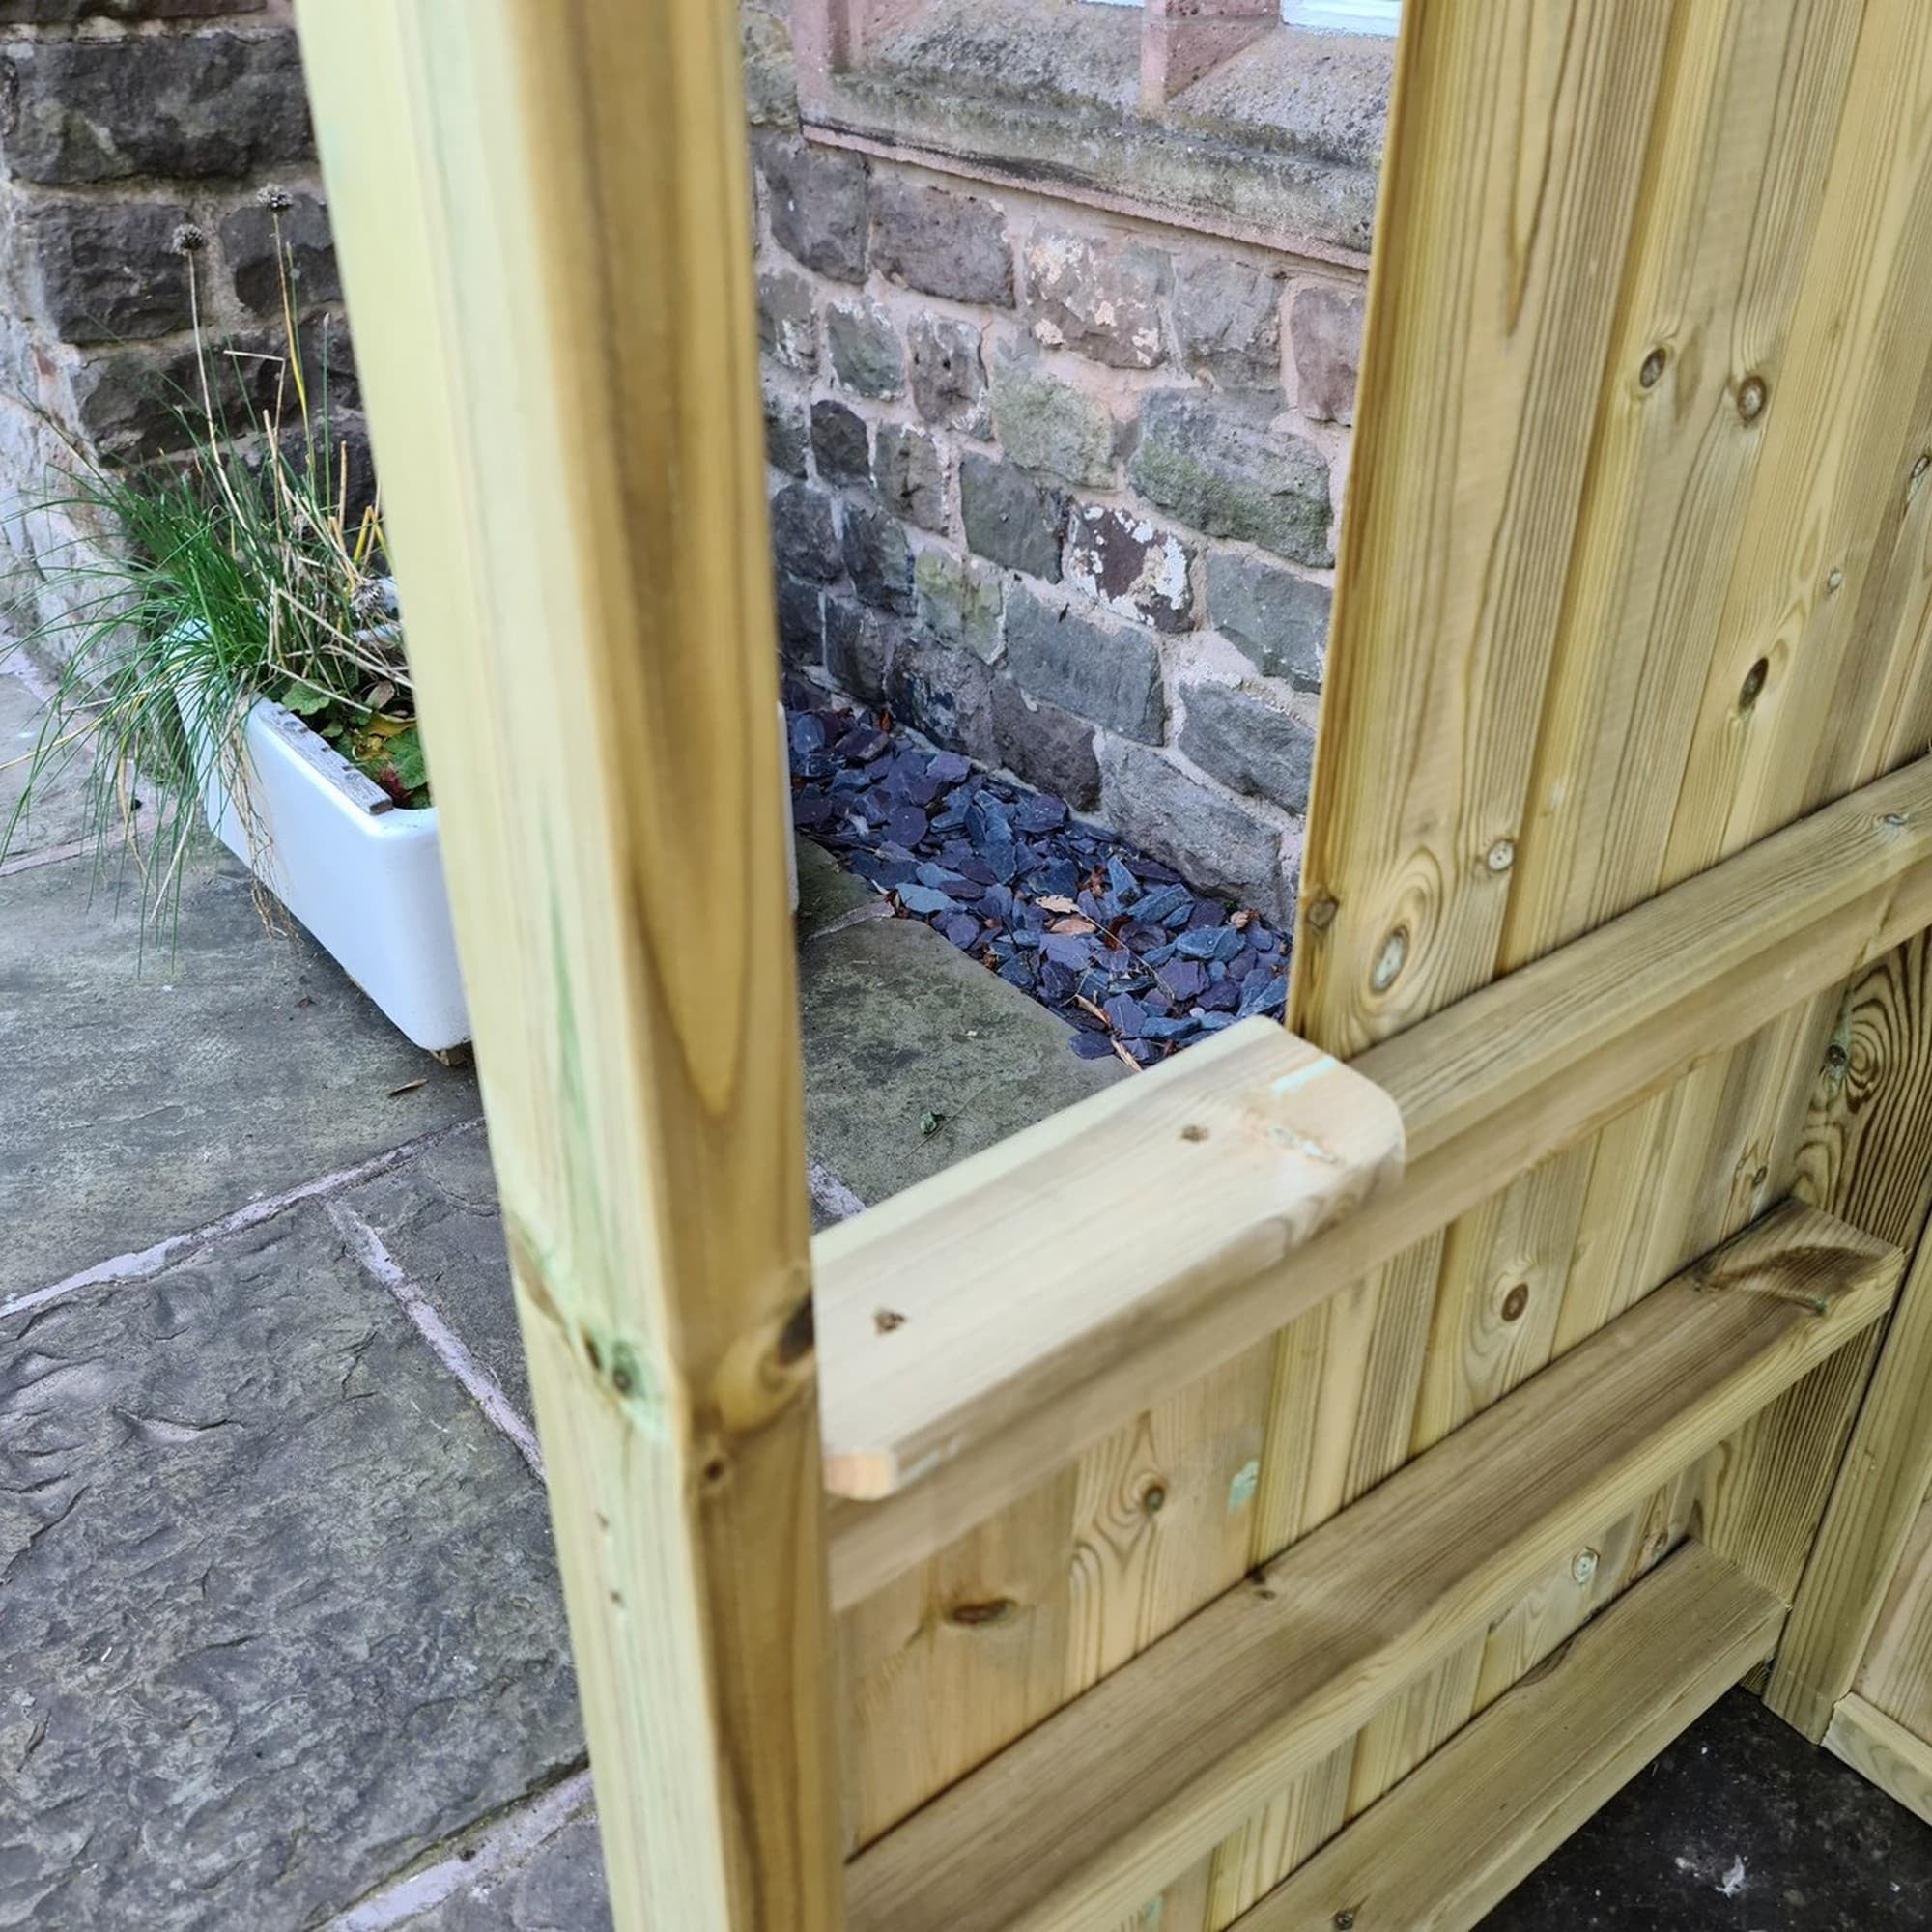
1453, 1838
1486, 336
1095, 1810
1486, 1090
1868, 1156
1895, 1759
540, 209
941, 1311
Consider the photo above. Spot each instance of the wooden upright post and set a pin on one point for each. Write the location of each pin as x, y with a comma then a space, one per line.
542, 212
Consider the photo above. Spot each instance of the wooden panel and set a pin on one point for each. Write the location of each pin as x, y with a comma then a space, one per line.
1096, 1809
1486, 1090
1890, 1756
540, 212
1438, 1852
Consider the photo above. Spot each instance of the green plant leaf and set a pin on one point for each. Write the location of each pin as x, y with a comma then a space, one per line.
305, 701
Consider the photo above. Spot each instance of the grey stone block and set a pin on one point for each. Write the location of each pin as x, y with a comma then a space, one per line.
248, 246
901, 1027
1228, 317
280, 1606
1010, 518
1131, 566
949, 380
104, 270
1100, 297
1207, 839
1108, 672
801, 621
1325, 328
771, 77
158, 1081
816, 200
857, 645
805, 533
789, 321
945, 693
1279, 619
60, 13
1249, 744
840, 442
942, 243
138, 402
1046, 746
1227, 475
959, 601
910, 473
184, 105
864, 348
828, 894
1043, 423
879, 559
788, 431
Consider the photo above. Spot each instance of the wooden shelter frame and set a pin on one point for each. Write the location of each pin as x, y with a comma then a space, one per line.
1404, 1426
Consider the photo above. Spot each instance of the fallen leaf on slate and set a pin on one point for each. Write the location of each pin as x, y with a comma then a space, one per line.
929, 1125
1126, 1059
1240, 921
1073, 923
1081, 1000
408, 1087
1053, 902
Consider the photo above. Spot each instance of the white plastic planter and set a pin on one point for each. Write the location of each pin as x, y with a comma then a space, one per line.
361, 873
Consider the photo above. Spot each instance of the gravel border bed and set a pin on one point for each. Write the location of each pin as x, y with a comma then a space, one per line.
1138, 961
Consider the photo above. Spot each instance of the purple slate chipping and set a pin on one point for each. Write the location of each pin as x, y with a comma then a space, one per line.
973, 855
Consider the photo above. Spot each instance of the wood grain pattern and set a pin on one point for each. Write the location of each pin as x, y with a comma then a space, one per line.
1897, 1760
540, 212
1123, 1790
1869, 1151
942, 1313
1437, 1854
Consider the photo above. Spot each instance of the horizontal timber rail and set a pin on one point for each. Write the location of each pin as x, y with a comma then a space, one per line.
1092, 1813
1476, 1817
970, 1414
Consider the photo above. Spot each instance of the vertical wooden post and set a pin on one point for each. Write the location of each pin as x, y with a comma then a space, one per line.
543, 214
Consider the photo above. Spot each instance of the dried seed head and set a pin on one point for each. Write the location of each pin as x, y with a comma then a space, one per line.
188, 239
276, 200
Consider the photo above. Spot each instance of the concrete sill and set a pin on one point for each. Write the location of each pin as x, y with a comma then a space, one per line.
1280, 145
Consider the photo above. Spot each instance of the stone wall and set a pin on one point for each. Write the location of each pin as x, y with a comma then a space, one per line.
127, 129
1058, 487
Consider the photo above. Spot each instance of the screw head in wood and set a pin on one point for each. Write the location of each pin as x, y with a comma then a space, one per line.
1752, 398
1389, 960
1345, 1921
1652, 371
1500, 855
1583, 1566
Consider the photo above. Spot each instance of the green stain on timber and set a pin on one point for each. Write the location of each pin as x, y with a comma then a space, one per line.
626, 1362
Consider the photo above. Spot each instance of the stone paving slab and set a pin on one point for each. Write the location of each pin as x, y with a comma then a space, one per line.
277, 1605
60, 815
559, 1888
827, 893
153, 1085
902, 1031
